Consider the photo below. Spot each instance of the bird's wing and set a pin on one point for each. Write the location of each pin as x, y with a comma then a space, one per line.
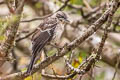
39, 39
47, 24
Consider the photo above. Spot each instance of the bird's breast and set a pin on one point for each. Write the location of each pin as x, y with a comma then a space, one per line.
58, 32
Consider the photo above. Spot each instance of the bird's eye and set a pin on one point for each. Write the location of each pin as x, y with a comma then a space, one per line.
60, 16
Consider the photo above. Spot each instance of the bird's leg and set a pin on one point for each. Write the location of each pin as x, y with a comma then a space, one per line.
51, 44
56, 45
45, 53
58, 48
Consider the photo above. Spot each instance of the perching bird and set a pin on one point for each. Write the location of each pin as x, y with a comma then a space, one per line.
49, 30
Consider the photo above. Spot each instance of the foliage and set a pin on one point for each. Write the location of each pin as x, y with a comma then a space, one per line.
76, 2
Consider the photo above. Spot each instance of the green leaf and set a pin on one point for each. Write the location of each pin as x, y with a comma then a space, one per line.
100, 76
38, 5
29, 78
77, 2
2, 38
51, 52
94, 2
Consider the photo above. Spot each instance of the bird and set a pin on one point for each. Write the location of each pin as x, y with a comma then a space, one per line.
50, 30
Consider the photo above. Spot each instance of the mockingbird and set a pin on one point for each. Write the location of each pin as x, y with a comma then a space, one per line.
49, 30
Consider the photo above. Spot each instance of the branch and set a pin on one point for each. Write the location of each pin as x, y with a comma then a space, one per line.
29, 34
116, 66
2, 2
64, 5
41, 18
38, 18
10, 6
93, 28
55, 76
87, 64
7, 45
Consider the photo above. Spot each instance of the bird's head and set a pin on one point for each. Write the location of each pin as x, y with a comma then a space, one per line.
62, 16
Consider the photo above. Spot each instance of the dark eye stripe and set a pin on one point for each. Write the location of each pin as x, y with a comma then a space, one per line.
61, 16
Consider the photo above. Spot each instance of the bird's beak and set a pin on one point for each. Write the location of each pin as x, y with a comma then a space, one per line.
67, 21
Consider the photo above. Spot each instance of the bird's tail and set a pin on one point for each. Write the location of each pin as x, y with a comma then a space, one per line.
33, 59
31, 64
38, 44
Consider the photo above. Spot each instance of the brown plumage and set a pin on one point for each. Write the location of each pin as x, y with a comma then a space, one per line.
50, 29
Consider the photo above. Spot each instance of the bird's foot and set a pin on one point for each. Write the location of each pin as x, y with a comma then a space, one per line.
59, 48
55, 45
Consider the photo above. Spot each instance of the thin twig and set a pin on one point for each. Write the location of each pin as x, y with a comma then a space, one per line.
10, 6
41, 18
29, 34
116, 66
2, 2
63, 6
8, 44
34, 19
